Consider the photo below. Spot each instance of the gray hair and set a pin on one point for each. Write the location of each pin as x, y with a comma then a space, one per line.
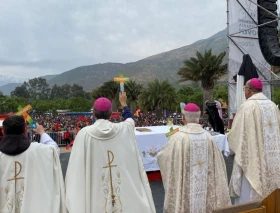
102, 115
192, 117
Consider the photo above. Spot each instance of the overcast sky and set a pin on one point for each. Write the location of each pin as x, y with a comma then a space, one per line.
49, 37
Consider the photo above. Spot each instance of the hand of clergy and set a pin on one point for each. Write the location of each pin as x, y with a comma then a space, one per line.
122, 99
39, 129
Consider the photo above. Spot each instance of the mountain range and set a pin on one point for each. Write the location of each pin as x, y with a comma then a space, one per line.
6, 79
162, 66
8, 84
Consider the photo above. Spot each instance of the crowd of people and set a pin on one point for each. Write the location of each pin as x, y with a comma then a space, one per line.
63, 129
63, 122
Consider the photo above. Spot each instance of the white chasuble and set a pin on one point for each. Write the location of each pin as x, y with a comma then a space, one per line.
193, 172
111, 184
32, 181
105, 173
271, 143
198, 172
254, 139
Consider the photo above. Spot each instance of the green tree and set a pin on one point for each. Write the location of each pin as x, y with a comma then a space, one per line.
79, 104
97, 93
55, 92
38, 88
197, 98
77, 91
2, 103
133, 90
110, 90
65, 91
158, 95
276, 96
206, 69
221, 91
183, 94
49, 105
12, 104
21, 91
58, 103
87, 95
41, 105
190, 95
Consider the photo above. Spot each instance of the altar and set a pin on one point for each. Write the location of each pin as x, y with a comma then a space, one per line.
151, 143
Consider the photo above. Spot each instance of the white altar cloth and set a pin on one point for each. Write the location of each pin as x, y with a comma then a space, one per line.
151, 143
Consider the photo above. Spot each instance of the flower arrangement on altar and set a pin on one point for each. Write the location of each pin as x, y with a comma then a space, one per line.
153, 151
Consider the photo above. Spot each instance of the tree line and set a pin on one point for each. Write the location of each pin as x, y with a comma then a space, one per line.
156, 95
38, 88
203, 71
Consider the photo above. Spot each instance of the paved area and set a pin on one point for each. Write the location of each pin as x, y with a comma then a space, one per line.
64, 158
156, 186
63, 149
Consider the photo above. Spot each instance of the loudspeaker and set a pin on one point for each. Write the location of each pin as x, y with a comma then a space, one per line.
268, 34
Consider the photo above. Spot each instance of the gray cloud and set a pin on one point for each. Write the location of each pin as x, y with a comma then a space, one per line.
44, 37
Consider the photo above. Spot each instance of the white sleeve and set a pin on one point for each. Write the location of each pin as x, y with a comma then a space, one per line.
131, 122
46, 139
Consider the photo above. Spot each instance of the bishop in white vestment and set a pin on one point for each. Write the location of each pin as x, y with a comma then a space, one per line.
105, 172
254, 138
193, 169
31, 178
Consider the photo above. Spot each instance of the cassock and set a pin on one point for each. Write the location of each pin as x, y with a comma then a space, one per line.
31, 178
214, 118
193, 172
254, 138
105, 171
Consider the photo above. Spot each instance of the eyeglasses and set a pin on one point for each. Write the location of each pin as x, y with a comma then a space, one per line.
245, 88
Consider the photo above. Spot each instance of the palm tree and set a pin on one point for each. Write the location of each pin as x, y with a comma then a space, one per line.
97, 93
133, 90
158, 95
206, 69
110, 90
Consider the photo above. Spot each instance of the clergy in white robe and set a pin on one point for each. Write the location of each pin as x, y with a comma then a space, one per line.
105, 171
193, 169
254, 138
31, 178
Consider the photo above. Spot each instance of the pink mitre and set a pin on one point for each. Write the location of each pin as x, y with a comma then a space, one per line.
102, 104
256, 83
191, 107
